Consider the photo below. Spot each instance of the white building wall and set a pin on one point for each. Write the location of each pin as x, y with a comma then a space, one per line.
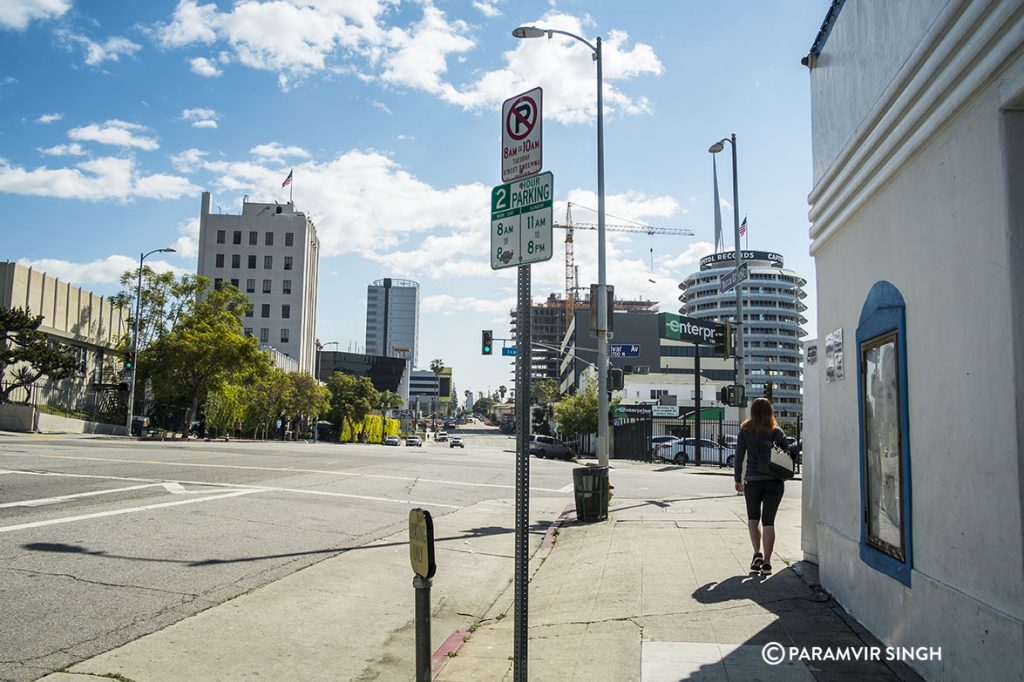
279, 220
919, 197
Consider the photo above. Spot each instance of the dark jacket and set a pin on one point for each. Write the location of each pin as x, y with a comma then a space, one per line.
747, 444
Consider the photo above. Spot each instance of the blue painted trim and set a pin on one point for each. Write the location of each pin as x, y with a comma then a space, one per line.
884, 312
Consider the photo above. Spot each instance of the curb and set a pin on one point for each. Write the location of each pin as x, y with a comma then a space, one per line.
451, 646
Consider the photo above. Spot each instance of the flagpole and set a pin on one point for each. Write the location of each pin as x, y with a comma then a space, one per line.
291, 187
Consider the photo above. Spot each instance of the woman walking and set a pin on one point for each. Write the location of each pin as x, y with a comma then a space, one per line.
763, 492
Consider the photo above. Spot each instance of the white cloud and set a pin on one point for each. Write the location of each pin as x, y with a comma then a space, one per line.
187, 245
73, 149
15, 14
418, 58
455, 305
690, 257
105, 271
115, 132
93, 180
275, 151
300, 38
487, 8
188, 160
564, 68
380, 105
204, 67
49, 118
201, 118
111, 50
365, 202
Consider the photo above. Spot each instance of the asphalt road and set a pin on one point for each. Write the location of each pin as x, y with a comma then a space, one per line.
103, 541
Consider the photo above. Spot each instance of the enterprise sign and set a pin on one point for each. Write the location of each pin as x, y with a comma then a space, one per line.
682, 328
717, 259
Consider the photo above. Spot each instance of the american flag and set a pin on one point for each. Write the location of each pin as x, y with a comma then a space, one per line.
743, 225
288, 181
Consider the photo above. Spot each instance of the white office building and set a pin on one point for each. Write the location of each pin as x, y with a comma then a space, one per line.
393, 323
272, 254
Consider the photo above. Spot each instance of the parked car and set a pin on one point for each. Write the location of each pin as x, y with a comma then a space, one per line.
441, 436
658, 440
546, 446
729, 441
392, 440
414, 440
456, 442
683, 451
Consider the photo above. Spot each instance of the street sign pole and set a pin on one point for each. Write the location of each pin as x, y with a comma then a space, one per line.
696, 403
522, 583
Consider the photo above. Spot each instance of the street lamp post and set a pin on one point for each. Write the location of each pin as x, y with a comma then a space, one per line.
741, 377
135, 336
602, 286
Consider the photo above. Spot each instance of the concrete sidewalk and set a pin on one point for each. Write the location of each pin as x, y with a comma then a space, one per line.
660, 592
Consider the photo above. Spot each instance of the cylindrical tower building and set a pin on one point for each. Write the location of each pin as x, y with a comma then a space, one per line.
772, 318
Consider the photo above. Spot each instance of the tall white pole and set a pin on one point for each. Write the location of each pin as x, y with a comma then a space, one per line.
602, 288
135, 347
741, 377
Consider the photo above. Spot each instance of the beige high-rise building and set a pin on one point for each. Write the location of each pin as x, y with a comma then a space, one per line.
272, 254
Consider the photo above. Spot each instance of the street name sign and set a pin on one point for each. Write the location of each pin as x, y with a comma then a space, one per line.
521, 143
522, 221
624, 350
732, 278
421, 543
511, 350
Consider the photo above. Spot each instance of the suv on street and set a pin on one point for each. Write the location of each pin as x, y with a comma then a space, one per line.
414, 440
441, 436
546, 446
683, 451
456, 442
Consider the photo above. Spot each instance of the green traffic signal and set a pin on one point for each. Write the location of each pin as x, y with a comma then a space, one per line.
486, 341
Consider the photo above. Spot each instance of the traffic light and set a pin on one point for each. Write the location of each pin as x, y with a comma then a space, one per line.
486, 342
723, 340
768, 391
733, 395
129, 360
615, 379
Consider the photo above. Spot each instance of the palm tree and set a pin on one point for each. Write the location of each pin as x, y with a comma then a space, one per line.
437, 366
502, 391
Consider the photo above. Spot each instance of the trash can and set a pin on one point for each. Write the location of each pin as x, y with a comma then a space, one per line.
591, 486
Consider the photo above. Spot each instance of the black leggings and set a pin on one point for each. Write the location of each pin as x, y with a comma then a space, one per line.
763, 498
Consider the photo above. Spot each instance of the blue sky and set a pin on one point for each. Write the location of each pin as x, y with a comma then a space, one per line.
116, 114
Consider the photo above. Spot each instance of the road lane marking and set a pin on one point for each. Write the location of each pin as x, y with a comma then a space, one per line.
62, 498
291, 470
566, 488
172, 486
117, 512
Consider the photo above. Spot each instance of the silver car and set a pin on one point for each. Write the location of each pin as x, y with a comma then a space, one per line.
546, 446
683, 451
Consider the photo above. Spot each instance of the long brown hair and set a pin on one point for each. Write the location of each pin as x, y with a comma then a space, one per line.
762, 417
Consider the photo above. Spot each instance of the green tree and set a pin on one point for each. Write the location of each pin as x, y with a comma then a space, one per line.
307, 401
165, 299
352, 398
545, 391
266, 397
483, 405
204, 349
576, 415
22, 344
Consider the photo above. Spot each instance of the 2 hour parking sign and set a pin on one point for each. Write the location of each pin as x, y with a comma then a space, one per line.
522, 219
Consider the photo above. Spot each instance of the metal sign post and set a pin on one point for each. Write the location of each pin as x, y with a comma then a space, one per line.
522, 582
696, 405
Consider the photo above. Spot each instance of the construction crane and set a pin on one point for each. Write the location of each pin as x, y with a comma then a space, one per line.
572, 284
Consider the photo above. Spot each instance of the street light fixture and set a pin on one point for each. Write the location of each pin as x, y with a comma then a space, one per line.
741, 377
602, 287
135, 339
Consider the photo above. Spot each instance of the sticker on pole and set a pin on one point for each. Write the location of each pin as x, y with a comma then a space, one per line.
521, 136
521, 222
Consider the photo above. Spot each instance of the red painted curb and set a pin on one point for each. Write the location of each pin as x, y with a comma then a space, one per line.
549, 537
452, 644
